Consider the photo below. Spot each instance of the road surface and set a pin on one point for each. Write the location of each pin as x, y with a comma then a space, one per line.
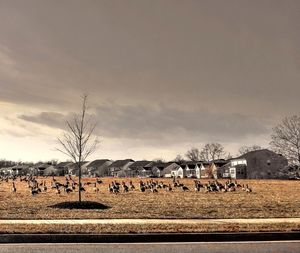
203, 247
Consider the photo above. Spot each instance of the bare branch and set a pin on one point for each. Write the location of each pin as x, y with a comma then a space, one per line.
286, 139
77, 142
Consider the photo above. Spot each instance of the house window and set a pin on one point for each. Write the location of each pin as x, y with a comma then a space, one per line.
269, 162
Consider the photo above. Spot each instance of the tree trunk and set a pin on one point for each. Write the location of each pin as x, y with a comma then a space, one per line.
79, 182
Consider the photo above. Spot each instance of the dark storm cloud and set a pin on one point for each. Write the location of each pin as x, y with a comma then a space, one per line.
190, 53
163, 71
161, 124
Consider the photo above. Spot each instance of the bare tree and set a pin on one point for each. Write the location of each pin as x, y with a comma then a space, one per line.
212, 151
79, 141
179, 159
245, 149
159, 160
193, 154
286, 139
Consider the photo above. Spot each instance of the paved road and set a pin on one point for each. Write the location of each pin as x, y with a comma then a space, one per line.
203, 247
154, 221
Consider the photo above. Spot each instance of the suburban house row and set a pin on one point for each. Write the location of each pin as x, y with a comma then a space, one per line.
259, 164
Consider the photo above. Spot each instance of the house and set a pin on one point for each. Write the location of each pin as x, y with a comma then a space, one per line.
219, 162
6, 171
60, 169
63, 167
258, 164
140, 169
119, 168
173, 170
21, 169
98, 168
73, 169
235, 169
191, 169
202, 169
168, 169
53, 171
208, 170
40, 168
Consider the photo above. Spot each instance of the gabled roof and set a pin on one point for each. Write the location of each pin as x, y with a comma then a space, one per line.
43, 165
162, 166
139, 164
74, 165
191, 164
168, 170
259, 152
120, 163
63, 164
225, 166
20, 167
98, 163
219, 162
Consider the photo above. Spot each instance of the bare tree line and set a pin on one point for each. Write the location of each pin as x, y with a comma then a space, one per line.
209, 152
285, 140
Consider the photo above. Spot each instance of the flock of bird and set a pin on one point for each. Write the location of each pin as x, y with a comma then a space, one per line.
70, 185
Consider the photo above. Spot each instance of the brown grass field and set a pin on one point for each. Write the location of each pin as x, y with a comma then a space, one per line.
269, 199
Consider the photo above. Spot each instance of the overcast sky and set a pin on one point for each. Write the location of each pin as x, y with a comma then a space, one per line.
162, 76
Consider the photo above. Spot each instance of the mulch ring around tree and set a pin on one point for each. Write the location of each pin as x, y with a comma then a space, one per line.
80, 205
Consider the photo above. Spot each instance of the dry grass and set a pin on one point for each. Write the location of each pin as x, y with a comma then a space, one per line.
270, 198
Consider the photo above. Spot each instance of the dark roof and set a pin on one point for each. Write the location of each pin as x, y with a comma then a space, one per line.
170, 169
256, 152
120, 163
191, 164
63, 164
225, 166
18, 167
98, 163
43, 165
161, 166
219, 162
139, 164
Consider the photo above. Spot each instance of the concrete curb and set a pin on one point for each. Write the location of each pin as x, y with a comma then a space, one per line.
148, 238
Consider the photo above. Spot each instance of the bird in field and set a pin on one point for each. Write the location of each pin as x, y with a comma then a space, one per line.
248, 189
184, 188
95, 188
13, 189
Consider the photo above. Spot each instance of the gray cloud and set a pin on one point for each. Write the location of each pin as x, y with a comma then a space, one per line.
163, 71
50, 119
159, 124
164, 123
191, 53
